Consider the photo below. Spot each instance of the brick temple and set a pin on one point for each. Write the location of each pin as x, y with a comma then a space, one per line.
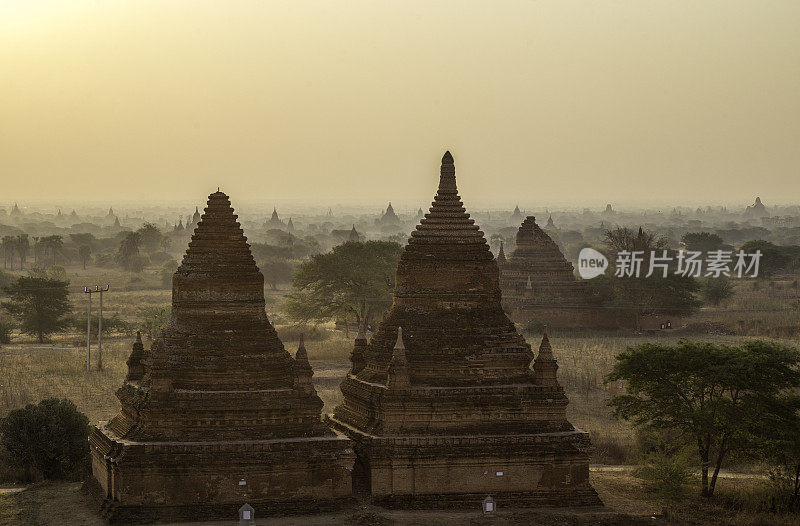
216, 413
445, 403
539, 286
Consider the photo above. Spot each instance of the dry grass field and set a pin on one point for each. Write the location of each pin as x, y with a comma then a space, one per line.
30, 372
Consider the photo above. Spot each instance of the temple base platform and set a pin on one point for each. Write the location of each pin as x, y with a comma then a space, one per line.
183, 481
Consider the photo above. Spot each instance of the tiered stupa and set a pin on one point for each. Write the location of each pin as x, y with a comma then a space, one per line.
757, 209
217, 413
539, 285
275, 221
447, 409
354, 236
389, 218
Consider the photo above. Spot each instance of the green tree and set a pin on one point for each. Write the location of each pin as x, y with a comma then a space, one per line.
52, 244
166, 272
39, 304
353, 281
49, 438
22, 247
704, 242
153, 319
110, 324
9, 248
84, 252
83, 238
714, 395
149, 237
773, 257
5, 331
276, 270
778, 442
129, 250
717, 290
673, 294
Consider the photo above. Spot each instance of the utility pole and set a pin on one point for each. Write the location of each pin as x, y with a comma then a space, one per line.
88, 331
89, 291
100, 330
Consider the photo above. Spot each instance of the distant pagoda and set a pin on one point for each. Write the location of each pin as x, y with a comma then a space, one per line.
389, 217
538, 283
275, 221
516, 217
354, 235
757, 210
195, 218
217, 413
441, 402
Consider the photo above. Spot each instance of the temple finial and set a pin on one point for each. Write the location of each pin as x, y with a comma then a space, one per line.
398, 376
447, 158
399, 344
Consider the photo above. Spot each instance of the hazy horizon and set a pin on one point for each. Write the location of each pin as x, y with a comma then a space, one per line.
546, 104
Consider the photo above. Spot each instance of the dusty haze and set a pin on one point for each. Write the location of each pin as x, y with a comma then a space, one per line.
559, 102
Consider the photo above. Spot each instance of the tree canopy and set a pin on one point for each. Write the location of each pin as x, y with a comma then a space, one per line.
673, 294
714, 395
49, 438
354, 281
704, 242
773, 257
40, 304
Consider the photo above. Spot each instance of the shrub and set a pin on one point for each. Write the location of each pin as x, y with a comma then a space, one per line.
5, 331
309, 332
535, 326
665, 474
48, 440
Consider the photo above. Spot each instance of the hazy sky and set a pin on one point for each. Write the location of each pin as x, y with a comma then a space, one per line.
561, 101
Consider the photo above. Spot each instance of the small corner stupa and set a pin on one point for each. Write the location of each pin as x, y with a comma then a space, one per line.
216, 412
441, 403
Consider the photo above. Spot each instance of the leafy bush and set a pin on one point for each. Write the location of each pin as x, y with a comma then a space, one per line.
138, 263
309, 332
112, 324
166, 271
535, 326
153, 319
666, 474
5, 331
47, 440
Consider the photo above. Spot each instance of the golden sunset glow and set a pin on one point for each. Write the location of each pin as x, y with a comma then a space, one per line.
541, 102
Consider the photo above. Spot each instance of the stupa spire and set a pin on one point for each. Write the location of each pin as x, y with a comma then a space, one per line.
545, 367
353, 234
135, 366
359, 348
398, 376
302, 370
501, 256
